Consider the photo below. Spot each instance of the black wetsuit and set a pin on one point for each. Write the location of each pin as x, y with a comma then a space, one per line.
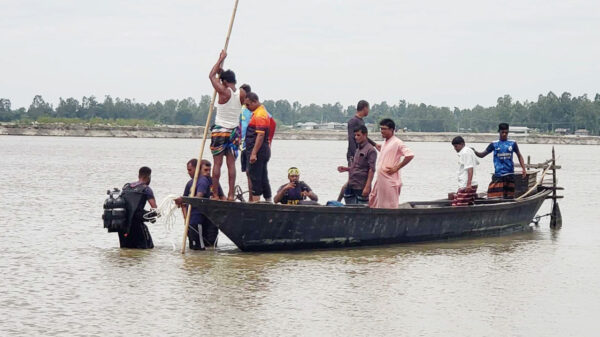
137, 236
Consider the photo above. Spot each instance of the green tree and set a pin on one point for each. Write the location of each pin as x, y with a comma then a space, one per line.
39, 108
5, 113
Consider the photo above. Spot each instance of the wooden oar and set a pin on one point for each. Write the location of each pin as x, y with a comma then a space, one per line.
208, 118
555, 216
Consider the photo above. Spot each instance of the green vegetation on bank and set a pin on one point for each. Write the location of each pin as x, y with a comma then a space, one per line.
547, 114
91, 121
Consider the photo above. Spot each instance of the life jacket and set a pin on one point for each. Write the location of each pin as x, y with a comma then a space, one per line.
294, 196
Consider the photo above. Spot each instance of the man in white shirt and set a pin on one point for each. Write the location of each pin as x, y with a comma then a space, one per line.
225, 133
467, 161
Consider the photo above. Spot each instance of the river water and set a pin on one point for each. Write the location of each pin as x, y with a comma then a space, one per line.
63, 275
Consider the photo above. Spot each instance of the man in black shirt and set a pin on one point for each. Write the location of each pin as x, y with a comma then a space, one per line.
362, 111
361, 171
355, 123
294, 191
136, 195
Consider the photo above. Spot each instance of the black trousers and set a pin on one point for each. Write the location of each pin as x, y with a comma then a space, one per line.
259, 174
138, 236
355, 197
203, 230
194, 237
209, 232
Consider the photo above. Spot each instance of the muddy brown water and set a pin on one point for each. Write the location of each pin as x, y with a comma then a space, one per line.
63, 275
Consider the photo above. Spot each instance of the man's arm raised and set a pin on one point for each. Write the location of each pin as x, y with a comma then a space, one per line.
214, 80
484, 152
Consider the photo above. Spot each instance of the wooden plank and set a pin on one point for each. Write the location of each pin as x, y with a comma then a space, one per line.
553, 188
539, 166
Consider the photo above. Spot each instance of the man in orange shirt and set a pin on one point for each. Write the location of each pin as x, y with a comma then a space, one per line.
257, 147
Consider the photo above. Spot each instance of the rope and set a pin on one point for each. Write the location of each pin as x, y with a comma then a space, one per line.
164, 214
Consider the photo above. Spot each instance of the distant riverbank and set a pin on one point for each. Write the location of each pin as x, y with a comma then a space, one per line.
181, 131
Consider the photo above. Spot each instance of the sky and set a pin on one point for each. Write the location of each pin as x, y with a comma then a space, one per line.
445, 53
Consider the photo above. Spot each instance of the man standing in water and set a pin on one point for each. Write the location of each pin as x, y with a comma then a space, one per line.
225, 131
136, 194
503, 180
202, 232
257, 148
394, 156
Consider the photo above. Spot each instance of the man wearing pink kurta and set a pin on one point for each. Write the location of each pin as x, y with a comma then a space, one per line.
394, 156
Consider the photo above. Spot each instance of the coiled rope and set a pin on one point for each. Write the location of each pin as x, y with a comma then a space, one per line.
165, 215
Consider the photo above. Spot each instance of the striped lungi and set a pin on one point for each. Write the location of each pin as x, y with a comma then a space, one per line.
502, 187
222, 139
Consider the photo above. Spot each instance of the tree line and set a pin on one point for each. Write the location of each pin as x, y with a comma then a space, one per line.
546, 114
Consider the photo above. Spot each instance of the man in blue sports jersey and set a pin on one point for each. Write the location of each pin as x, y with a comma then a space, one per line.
503, 180
244, 120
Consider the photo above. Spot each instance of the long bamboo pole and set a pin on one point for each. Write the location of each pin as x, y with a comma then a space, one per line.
208, 118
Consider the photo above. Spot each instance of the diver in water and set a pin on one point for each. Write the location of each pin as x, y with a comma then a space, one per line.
136, 194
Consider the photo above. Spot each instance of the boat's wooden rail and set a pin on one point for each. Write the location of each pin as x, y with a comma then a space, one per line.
539, 165
549, 184
480, 200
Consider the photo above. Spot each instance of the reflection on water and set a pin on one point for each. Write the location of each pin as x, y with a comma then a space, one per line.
64, 275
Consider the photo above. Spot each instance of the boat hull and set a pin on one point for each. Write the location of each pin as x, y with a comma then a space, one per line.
263, 227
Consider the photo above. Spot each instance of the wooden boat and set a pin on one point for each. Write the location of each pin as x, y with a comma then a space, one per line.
265, 226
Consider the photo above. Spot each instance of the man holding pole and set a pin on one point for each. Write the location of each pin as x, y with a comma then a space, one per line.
225, 132
223, 98
203, 232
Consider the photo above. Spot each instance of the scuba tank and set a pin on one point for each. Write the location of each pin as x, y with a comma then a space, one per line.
115, 212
